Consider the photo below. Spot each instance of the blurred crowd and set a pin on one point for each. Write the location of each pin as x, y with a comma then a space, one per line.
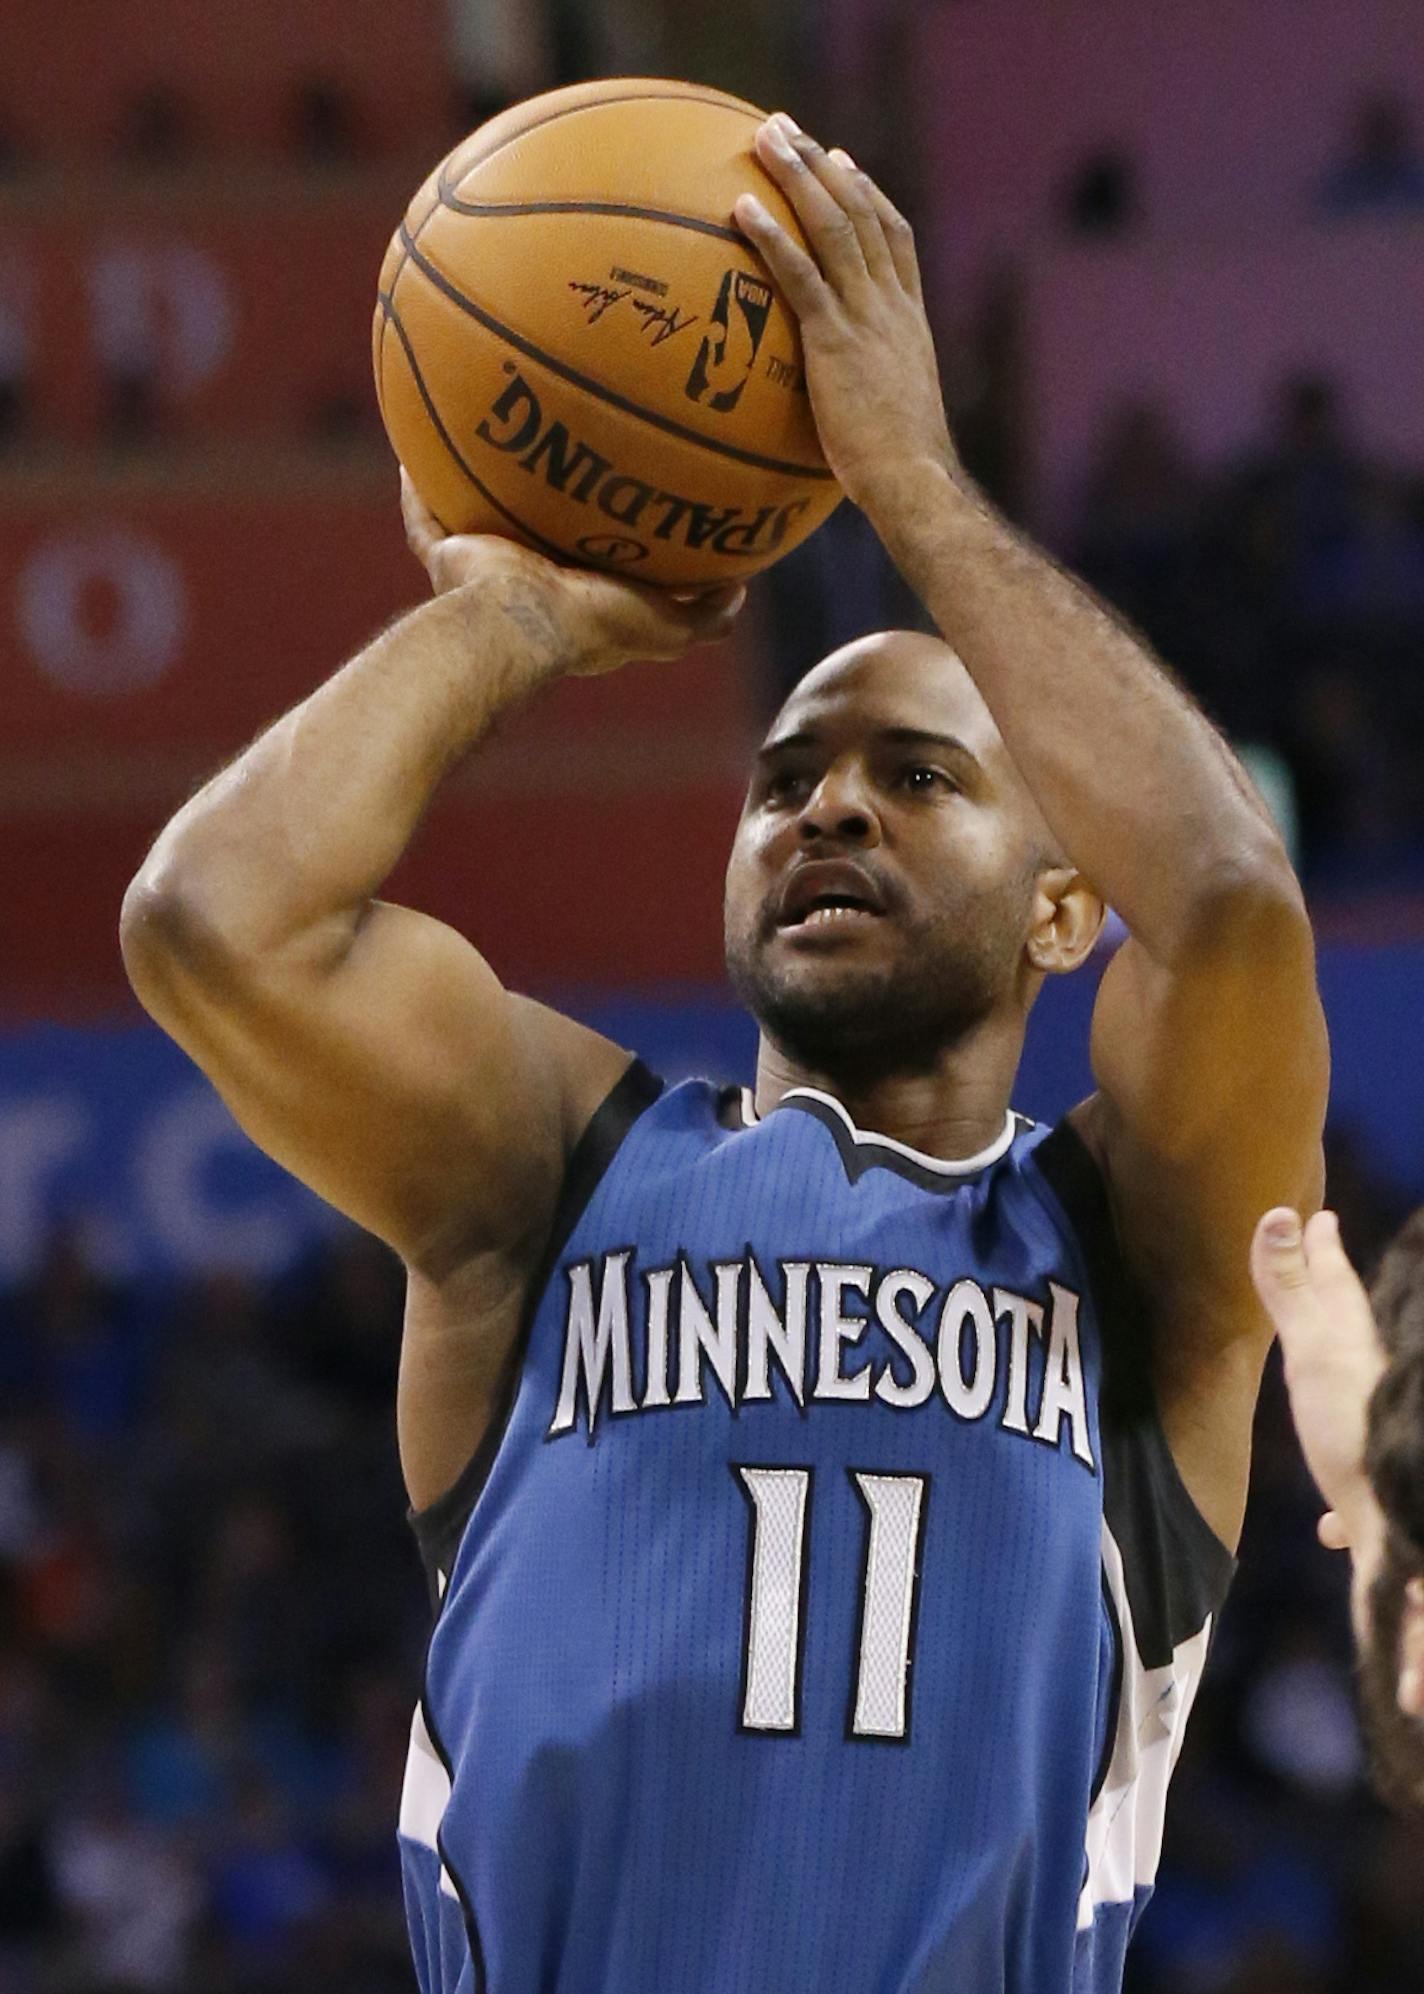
1288, 589
211, 1629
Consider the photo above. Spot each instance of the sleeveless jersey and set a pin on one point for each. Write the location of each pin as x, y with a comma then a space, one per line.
823, 1611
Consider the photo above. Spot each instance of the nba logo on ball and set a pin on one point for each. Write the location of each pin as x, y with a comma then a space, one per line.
575, 346
729, 351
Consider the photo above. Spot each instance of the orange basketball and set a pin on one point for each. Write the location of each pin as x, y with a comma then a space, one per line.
576, 347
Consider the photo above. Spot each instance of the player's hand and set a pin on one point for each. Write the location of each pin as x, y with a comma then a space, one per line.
586, 622
869, 354
1333, 1360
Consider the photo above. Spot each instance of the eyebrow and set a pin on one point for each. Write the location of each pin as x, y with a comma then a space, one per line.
896, 737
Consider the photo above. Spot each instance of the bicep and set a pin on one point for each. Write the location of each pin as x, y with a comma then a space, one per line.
399, 1080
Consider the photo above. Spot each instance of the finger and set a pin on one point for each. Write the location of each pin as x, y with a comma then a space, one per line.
422, 529
1332, 1532
899, 236
1282, 1276
1411, 1652
1339, 1287
796, 274
850, 189
788, 155
657, 623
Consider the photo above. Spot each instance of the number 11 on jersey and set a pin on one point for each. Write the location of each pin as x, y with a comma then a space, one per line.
778, 1567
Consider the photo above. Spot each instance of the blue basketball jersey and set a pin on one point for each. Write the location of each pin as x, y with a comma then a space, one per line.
823, 1612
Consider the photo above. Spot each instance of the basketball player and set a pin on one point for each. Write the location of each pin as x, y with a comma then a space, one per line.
828, 1487
1355, 1375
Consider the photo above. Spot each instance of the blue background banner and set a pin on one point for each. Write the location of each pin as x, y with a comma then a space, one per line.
115, 1130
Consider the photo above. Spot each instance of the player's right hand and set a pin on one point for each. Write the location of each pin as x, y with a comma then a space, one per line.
588, 622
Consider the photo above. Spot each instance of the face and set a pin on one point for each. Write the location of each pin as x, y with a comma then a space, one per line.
885, 872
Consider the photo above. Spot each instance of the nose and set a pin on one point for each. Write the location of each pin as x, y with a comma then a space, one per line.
841, 807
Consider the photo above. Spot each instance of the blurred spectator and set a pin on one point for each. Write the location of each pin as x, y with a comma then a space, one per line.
500, 51
323, 123
1307, 475
1138, 521
157, 130
1382, 169
1102, 196
131, 1897
1288, 588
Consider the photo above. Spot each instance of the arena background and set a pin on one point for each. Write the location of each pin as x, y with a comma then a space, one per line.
1176, 258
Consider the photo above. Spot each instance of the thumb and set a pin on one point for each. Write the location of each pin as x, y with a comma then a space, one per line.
1278, 1263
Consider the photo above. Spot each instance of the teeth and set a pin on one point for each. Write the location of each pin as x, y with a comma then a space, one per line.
823, 914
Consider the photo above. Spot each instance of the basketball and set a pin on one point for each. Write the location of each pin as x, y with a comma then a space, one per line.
575, 346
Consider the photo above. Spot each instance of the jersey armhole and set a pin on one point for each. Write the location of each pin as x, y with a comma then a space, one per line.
1176, 1569
441, 1525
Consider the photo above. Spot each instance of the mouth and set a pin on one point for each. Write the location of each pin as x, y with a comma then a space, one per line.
827, 895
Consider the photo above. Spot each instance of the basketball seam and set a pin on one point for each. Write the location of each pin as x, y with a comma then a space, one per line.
392, 317
430, 213
495, 210
717, 98
591, 387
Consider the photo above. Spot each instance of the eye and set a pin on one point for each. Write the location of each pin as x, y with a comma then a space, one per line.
922, 779
785, 785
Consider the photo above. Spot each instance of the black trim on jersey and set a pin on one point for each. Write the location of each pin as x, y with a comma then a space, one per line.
865, 1151
439, 1527
1109, 1745
1177, 1570
730, 1110
442, 1854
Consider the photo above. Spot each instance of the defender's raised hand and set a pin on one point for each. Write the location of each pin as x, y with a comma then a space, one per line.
870, 358
1333, 1360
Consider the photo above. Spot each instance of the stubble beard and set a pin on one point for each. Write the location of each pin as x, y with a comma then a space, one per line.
884, 1017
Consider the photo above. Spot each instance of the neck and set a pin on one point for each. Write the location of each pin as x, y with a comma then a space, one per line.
950, 1107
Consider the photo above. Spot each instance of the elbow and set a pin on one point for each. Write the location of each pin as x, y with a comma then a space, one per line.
1250, 897
165, 939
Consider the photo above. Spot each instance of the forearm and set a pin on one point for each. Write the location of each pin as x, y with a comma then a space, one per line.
298, 834
1138, 788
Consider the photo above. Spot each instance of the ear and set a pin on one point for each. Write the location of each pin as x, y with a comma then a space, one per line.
1066, 921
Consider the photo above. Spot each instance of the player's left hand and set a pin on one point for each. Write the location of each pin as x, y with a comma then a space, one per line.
1333, 1360
869, 353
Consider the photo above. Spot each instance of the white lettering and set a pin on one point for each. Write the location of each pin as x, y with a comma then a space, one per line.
1024, 1316
969, 1397
589, 1347
697, 1335
1063, 1377
659, 1282
839, 1329
782, 1336
905, 1281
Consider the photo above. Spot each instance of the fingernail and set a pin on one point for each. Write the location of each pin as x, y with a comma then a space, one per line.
788, 123
1283, 1229
752, 210
843, 158
780, 144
